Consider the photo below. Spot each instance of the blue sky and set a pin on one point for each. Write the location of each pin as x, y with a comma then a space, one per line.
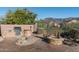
43, 12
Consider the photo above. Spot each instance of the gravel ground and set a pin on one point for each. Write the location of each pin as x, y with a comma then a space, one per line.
39, 46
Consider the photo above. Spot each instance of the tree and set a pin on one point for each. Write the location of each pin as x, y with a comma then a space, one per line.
20, 16
66, 27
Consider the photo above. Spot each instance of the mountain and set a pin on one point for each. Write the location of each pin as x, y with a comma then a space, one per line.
59, 20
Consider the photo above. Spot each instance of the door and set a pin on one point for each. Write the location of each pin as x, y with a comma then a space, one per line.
17, 31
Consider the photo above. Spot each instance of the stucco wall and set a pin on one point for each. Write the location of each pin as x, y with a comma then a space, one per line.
8, 30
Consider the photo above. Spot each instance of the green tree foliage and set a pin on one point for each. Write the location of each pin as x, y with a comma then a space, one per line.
71, 30
74, 25
20, 16
66, 27
40, 23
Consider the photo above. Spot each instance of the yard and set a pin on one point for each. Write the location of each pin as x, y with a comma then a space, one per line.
39, 46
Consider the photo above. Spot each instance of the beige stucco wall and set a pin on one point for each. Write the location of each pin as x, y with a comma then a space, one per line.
8, 30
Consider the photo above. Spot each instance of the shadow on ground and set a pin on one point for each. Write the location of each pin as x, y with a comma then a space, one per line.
45, 39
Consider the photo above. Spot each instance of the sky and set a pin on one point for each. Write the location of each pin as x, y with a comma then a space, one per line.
44, 12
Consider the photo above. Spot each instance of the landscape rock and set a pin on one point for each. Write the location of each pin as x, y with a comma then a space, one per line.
26, 41
56, 41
